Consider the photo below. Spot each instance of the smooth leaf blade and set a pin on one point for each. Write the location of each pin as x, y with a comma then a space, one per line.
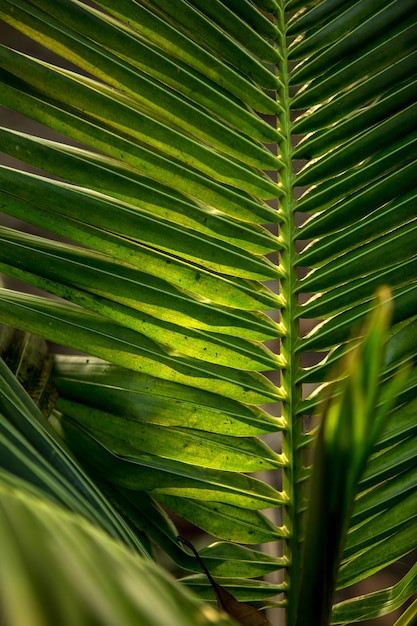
384, 526
152, 229
226, 522
378, 556
102, 338
61, 266
146, 163
205, 284
128, 393
210, 347
228, 559
126, 436
253, 591
146, 472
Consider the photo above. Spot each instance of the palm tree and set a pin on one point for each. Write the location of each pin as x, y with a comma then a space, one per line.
231, 184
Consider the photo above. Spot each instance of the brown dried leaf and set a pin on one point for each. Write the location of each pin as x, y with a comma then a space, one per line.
243, 613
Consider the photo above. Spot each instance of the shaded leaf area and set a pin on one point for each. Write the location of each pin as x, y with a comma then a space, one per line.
78, 270
33, 452
227, 522
360, 190
109, 387
257, 592
207, 286
219, 554
67, 570
242, 353
153, 473
223, 558
125, 435
224, 503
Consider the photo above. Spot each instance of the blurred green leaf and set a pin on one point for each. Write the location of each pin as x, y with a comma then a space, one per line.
64, 568
350, 424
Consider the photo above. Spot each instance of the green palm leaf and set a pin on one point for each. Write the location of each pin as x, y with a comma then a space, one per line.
55, 554
226, 174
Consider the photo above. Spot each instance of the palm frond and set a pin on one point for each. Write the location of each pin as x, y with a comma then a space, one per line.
216, 161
